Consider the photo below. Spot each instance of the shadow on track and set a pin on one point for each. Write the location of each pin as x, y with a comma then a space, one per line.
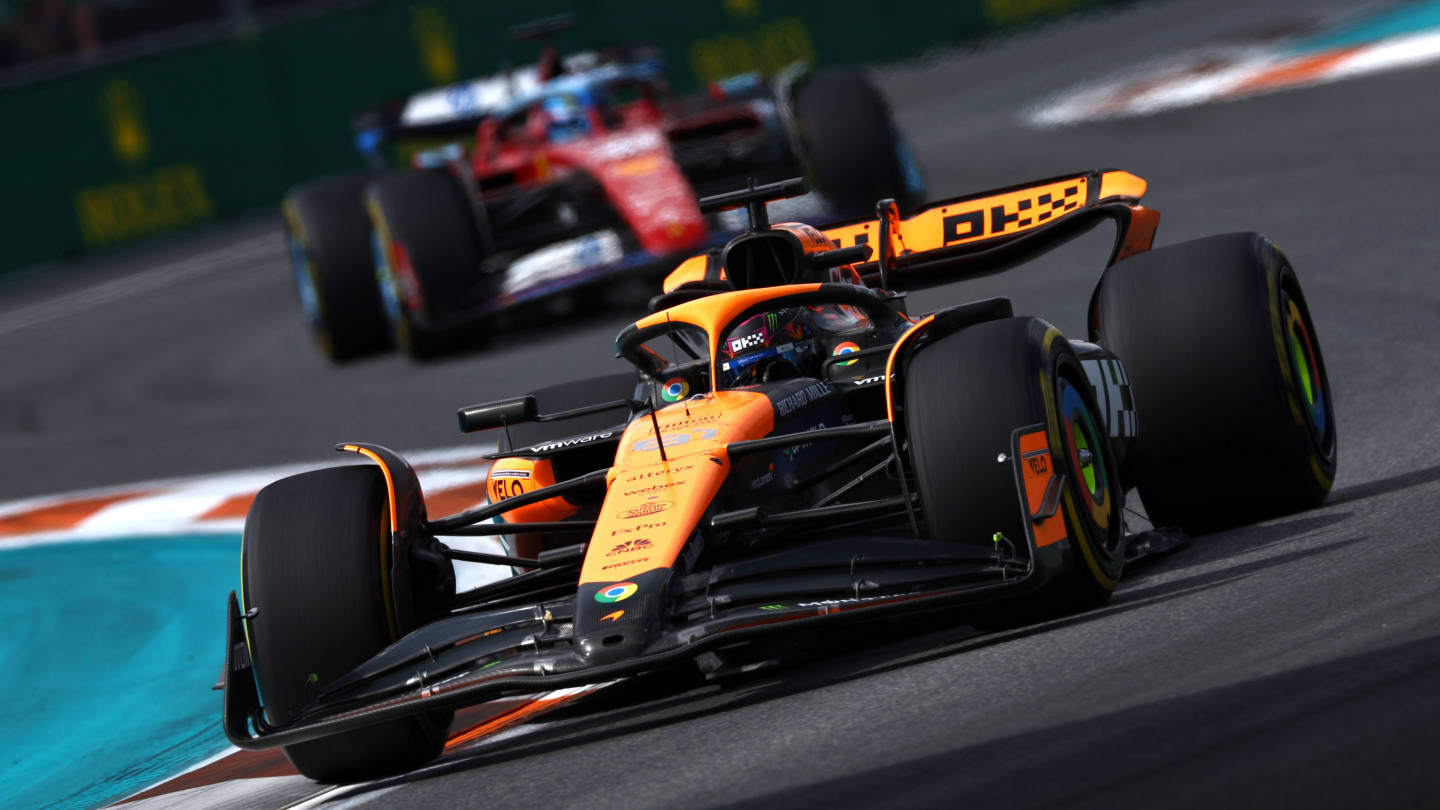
1267, 742
1208, 548
1385, 486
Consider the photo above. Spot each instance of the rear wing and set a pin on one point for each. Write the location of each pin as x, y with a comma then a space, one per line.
436, 116
980, 234
455, 109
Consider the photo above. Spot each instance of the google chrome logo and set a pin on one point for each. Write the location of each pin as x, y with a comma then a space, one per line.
846, 348
675, 389
618, 592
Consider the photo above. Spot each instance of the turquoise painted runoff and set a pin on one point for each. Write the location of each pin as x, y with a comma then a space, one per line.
108, 651
1408, 18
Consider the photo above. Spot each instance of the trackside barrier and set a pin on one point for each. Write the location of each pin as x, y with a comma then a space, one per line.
118, 153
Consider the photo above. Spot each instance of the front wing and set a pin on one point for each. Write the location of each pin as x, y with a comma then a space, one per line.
467, 658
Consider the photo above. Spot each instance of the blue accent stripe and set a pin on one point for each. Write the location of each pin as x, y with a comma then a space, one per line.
108, 653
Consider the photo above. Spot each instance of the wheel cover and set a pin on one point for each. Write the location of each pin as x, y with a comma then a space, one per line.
1087, 459
1084, 451
389, 293
305, 285
389, 296
1305, 365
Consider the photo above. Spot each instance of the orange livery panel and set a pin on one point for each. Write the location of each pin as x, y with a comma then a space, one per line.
964, 221
969, 220
1036, 469
692, 269
509, 477
653, 505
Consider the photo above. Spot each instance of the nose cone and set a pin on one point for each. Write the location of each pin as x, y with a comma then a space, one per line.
619, 620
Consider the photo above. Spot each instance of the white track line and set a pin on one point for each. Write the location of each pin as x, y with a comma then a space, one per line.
174, 506
1410, 50
1249, 73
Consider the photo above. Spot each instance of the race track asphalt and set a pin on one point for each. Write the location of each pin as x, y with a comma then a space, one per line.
1297, 661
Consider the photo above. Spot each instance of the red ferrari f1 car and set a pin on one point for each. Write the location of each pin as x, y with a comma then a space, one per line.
579, 173
794, 451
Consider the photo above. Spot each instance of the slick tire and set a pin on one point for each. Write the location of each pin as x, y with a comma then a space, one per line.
313, 568
1236, 418
328, 235
850, 149
964, 397
429, 258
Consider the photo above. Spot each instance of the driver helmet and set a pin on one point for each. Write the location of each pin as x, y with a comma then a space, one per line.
794, 342
783, 342
565, 118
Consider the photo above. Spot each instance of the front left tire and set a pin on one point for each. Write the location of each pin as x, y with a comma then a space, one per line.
314, 569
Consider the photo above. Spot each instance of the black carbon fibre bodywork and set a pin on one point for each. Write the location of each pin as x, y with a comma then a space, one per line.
474, 656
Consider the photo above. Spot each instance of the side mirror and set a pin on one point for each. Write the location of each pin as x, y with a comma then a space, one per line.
496, 414
826, 259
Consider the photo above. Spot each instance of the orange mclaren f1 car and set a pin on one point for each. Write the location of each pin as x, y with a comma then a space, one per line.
795, 450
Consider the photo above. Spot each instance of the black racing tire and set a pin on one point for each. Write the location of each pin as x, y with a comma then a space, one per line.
1220, 350
313, 568
964, 396
850, 149
328, 235
429, 258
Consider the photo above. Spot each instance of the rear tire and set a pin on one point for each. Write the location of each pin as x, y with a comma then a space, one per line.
328, 234
1236, 418
851, 150
965, 395
313, 563
428, 259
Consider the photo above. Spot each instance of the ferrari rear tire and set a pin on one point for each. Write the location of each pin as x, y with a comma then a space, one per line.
1236, 417
851, 150
328, 236
314, 567
427, 255
965, 395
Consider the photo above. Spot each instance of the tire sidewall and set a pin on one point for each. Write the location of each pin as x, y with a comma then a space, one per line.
327, 237
850, 148
314, 569
425, 216
1098, 554
1322, 455
966, 495
1223, 438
